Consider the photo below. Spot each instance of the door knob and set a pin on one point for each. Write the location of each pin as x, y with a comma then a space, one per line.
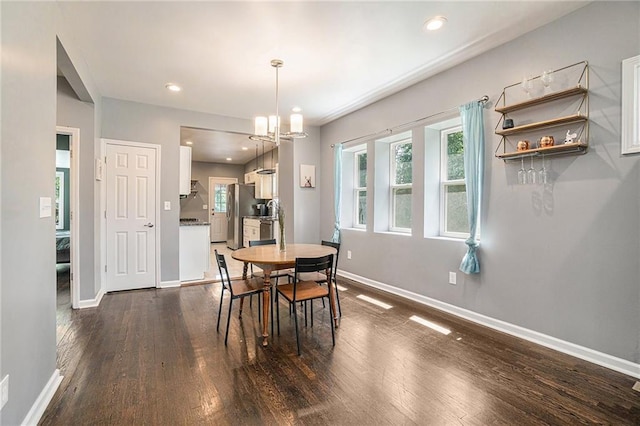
149, 225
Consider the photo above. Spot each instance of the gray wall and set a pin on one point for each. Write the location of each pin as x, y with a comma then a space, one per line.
568, 269
153, 124
267, 161
191, 206
27, 170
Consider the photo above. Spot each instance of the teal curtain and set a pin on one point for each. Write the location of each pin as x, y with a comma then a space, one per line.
337, 190
473, 137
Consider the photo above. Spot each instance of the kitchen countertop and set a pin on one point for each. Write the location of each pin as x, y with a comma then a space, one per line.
266, 218
194, 223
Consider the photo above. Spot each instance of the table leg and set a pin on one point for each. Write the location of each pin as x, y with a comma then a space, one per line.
266, 302
245, 269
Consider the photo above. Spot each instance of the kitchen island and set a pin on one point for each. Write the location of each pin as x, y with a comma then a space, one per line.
194, 250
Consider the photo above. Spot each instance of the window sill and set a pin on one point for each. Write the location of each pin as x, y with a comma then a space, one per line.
441, 238
403, 234
354, 229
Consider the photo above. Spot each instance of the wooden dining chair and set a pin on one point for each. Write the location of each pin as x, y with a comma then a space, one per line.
238, 289
320, 277
302, 291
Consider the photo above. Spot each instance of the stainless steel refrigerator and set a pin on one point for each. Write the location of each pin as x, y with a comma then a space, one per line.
240, 203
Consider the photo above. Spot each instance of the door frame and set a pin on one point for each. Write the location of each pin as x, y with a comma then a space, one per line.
212, 180
156, 210
74, 207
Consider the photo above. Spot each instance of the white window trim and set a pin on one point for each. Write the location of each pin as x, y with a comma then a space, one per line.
444, 182
393, 186
357, 189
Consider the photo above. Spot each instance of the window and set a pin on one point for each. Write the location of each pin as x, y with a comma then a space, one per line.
400, 184
454, 221
360, 189
220, 198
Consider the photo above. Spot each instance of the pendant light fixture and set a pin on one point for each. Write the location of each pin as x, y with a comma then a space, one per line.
267, 129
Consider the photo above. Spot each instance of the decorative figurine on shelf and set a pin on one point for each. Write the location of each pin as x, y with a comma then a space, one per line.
570, 138
507, 123
546, 141
523, 145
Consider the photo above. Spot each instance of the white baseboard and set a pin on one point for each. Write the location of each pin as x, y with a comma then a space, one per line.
41, 403
169, 284
91, 303
605, 360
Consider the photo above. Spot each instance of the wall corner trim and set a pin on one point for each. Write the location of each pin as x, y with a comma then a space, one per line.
605, 360
91, 303
41, 403
169, 284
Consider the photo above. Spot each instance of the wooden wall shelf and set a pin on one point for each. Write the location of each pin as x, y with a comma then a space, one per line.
573, 91
579, 90
575, 118
567, 148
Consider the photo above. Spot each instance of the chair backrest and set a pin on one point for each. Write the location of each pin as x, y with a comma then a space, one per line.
313, 264
337, 247
224, 271
253, 243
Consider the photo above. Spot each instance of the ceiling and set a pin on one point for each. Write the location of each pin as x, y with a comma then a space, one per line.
338, 56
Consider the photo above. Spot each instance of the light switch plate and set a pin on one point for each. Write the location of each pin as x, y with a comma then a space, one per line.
45, 206
167, 205
452, 278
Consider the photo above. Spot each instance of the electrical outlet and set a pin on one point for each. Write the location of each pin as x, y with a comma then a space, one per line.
167, 205
4, 391
205, 207
452, 278
348, 254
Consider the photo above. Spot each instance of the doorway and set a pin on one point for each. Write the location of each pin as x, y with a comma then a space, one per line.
66, 217
218, 207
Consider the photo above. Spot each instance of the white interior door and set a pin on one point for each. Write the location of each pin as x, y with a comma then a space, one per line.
131, 217
218, 207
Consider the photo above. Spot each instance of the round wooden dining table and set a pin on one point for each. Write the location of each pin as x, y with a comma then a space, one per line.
269, 258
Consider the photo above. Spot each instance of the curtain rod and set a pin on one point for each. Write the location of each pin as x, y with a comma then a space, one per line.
483, 100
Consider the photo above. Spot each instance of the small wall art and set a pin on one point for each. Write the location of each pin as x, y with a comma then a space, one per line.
307, 176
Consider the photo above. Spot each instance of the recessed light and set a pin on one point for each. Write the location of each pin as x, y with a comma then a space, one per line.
244, 148
189, 143
228, 158
296, 109
434, 23
173, 87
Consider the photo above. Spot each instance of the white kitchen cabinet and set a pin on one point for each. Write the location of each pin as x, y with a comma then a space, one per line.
250, 178
194, 251
250, 230
264, 186
185, 170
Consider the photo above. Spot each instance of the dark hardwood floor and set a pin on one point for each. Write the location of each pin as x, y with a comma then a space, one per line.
154, 357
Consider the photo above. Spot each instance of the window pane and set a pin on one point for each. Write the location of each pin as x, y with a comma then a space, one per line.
362, 169
457, 219
362, 207
402, 207
220, 198
403, 155
455, 160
